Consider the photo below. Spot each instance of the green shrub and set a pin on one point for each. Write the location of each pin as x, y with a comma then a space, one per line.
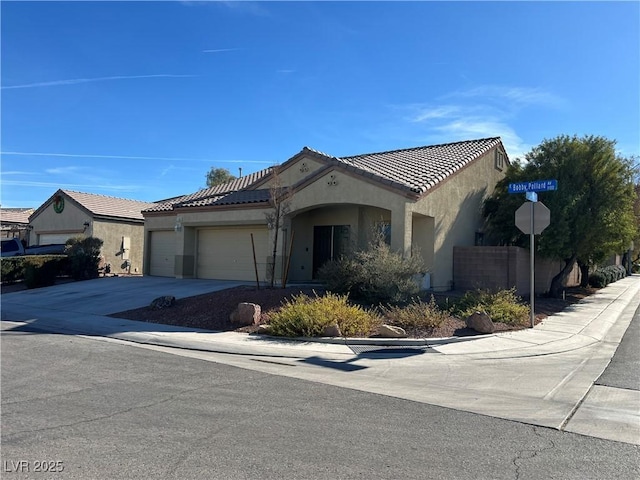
14, 268
374, 275
415, 316
502, 306
305, 316
84, 257
609, 274
44, 275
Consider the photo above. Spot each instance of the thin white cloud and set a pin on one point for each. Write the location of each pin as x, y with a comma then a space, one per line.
519, 96
29, 183
127, 157
430, 113
76, 81
285, 70
484, 111
218, 50
62, 170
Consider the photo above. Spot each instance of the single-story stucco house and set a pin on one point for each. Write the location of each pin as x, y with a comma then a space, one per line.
118, 222
15, 223
425, 198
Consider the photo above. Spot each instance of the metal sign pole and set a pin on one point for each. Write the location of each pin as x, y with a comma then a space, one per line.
532, 278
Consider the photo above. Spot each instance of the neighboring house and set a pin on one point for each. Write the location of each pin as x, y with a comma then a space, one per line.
116, 221
425, 198
15, 223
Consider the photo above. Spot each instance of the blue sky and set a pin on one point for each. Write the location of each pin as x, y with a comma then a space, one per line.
139, 99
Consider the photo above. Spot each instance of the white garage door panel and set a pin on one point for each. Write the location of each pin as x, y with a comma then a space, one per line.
47, 238
226, 253
163, 254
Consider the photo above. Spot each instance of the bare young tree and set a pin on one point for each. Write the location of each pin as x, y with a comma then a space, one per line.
280, 201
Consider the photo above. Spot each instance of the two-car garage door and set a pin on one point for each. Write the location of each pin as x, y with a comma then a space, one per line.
226, 253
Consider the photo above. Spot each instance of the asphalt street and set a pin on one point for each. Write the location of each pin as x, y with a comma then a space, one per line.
100, 409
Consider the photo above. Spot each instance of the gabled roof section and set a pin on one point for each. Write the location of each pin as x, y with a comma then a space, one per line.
212, 195
15, 216
412, 171
102, 205
419, 169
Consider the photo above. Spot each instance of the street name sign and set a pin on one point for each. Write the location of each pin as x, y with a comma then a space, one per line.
541, 218
534, 186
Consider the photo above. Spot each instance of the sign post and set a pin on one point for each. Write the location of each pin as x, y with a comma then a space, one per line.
532, 218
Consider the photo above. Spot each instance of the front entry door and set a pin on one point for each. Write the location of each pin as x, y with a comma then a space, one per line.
329, 242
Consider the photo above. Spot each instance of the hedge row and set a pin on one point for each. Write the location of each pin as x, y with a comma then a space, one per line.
31, 267
604, 276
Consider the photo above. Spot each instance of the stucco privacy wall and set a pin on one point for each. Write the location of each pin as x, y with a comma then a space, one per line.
505, 267
456, 205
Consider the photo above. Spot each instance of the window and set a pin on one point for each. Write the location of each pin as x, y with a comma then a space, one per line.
499, 159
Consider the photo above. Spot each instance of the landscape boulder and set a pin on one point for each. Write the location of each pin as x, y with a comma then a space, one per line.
480, 322
391, 331
332, 331
246, 314
165, 301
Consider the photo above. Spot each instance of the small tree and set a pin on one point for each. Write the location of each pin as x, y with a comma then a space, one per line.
217, 176
591, 212
280, 202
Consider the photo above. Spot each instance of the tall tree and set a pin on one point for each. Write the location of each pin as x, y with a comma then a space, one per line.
591, 212
216, 176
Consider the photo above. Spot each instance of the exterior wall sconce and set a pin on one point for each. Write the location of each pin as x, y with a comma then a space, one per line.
178, 225
86, 225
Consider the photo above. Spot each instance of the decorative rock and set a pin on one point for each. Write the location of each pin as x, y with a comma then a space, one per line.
391, 331
165, 301
480, 322
246, 314
264, 329
332, 331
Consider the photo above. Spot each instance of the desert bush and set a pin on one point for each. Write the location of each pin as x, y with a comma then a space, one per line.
305, 316
604, 276
374, 275
84, 257
502, 306
14, 268
417, 315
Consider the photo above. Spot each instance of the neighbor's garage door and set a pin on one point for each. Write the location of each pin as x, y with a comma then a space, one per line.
163, 253
47, 238
225, 253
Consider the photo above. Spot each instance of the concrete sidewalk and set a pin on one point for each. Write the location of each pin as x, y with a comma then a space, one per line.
539, 376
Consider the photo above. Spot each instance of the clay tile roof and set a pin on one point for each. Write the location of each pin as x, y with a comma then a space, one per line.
234, 198
421, 168
15, 216
105, 206
210, 196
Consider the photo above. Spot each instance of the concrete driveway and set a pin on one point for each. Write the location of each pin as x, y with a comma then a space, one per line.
108, 295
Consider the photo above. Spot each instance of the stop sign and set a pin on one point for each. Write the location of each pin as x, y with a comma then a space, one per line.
541, 217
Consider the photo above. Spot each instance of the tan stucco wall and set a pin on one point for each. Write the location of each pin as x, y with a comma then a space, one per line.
111, 233
456, 207
296, 171
70, 221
